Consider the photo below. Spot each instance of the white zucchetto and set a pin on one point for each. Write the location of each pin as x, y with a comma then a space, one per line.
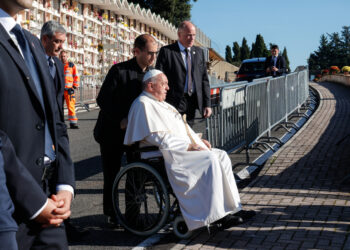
151, 73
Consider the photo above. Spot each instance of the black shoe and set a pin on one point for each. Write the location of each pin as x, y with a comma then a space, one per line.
73, 233
74, 126
246, 214
228, 221
112, 222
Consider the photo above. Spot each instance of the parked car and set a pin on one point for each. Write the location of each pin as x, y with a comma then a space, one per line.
251, 69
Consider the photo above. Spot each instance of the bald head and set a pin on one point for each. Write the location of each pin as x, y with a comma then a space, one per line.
142, 40
145, 50
186, 34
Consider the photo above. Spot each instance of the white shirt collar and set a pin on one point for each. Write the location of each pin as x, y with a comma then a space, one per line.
182, 48
7, 21
49, 58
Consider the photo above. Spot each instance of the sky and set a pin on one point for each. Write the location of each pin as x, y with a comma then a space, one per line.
294, 24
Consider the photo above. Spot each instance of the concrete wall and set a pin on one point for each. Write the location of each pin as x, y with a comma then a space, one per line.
342, 79
219, 68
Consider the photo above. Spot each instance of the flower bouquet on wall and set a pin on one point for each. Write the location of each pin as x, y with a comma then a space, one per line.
345, 70
317, 77
325, 72
334, 70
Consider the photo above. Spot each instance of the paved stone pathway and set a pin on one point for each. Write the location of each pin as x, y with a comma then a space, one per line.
298, 198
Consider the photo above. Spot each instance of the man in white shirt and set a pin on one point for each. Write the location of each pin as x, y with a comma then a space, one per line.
201, 177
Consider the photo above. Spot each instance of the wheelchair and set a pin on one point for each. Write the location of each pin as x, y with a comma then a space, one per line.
143, 199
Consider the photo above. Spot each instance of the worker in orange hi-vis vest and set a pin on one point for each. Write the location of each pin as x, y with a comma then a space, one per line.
71, 83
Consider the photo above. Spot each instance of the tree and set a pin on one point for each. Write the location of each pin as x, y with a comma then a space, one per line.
334, 49
175, 11
335, 43
285, 55
259, 48
321, 58
345, 37
237, 53
228, 54
245, 51
251, 52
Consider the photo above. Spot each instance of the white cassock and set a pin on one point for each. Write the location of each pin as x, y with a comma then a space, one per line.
202, 181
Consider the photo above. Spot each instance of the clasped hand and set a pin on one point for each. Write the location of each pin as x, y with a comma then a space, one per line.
273, 69
56, 210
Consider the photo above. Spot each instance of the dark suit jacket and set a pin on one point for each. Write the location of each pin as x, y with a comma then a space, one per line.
22, 117
123, 84
280, 64
171, 63
59, 85
18, 182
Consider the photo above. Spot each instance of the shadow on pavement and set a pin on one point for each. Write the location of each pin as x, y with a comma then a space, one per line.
102, 235
327, 163
87, 168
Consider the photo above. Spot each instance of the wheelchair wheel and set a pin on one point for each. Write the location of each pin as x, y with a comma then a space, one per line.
180, 228
140, 199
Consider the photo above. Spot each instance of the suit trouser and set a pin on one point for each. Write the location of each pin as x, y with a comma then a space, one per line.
191, 106
111, 155
70, 101
33, 236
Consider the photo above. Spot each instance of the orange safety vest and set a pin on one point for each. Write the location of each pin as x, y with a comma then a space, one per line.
71, 77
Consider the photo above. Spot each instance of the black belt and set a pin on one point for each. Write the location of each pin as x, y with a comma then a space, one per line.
48, 169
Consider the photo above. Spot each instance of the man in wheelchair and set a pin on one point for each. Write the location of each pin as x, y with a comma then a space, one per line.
201, 177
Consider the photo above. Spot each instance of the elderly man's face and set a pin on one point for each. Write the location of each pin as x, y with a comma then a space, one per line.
187, 35
160, 87
54, 45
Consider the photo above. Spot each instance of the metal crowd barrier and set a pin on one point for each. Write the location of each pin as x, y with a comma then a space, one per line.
246, 112
88, 90
257, 120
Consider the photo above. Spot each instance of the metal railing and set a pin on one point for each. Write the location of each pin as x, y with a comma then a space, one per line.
88, 90
242, 112
247, 112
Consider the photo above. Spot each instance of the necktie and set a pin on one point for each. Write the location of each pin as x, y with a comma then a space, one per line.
189, 72
51, 67
274, 64
31, 65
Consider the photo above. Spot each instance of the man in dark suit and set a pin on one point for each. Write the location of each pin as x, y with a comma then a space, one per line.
30, 118
122, 86
13, 172
185, 67
275, 64
52, 36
